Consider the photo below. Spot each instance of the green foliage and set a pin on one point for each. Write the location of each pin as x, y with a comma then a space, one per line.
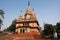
11, 28
58, 29
1, 16
1, 21
48, 30
2, 13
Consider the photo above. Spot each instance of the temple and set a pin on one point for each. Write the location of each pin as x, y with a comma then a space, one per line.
28, 23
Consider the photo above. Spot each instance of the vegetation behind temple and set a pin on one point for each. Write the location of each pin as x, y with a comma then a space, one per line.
11, 28
1, 17
49, 29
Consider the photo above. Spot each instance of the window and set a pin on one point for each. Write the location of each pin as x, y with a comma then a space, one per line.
23, 30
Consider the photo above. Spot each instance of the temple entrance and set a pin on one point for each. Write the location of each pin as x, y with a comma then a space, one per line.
23, 30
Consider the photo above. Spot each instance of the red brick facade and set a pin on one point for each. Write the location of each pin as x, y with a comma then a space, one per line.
26, 26
28, 23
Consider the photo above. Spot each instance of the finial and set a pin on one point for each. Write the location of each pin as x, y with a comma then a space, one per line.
28, 3
21, 11
33, 9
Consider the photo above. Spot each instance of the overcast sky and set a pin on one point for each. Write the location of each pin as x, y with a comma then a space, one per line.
47, 11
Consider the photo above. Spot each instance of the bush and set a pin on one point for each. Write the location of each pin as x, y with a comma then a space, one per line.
2, 33
58, 35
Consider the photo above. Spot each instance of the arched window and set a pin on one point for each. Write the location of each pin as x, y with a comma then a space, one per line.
23, 30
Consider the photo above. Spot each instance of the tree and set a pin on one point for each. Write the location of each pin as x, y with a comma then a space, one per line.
48, 30
11, 28
1, 16
58, 29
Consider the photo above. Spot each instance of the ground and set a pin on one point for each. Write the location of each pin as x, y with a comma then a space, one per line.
5, 38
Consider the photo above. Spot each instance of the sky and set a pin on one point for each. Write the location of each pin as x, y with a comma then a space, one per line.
47, 11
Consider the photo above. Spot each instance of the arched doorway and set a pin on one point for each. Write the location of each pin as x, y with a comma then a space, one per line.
23, 30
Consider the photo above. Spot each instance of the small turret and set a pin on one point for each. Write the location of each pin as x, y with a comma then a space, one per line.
28, 3
33, 15
20, 16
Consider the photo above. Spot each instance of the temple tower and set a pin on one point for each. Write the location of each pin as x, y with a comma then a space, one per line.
29, 23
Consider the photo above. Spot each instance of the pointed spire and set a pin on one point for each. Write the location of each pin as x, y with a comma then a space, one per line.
28, 11
21, 13
33, 9
20, 16
28, 3
33, 15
